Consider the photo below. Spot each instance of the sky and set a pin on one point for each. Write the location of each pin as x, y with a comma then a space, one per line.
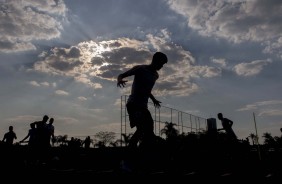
61, 58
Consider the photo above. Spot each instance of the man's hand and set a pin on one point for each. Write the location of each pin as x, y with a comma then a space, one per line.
157, 103
121, 83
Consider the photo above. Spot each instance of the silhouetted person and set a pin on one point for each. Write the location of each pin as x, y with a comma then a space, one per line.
71, 142
9, 136
248, 140
140, 117
51, 130
31, 135
227, 126
42, 135
42, 140
33, 154
86, 142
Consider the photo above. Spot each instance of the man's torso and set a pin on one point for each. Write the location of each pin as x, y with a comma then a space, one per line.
144, 81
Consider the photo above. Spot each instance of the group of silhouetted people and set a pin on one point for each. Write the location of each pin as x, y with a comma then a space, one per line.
145, 76
39, 135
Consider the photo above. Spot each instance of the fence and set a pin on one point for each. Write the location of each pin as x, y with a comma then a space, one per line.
185, 122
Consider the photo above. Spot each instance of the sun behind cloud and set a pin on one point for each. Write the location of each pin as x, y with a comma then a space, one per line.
91, 61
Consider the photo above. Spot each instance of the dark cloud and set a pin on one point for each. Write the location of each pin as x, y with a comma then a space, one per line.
64, 65
97, 61
115, 44
74, 53
110, 74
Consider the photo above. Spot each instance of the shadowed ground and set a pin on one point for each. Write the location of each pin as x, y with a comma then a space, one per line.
157, 162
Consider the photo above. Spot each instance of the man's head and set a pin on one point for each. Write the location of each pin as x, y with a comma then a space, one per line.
11, 128
45, 118
51, 120
220, 116
159, 59
32, 125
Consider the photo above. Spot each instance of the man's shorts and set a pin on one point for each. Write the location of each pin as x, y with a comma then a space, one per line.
139, 116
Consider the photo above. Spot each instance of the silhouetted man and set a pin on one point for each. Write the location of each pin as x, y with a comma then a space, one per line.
140, 117
42, 134
51, 130
9, 136
227, 126
87, 142
31, 135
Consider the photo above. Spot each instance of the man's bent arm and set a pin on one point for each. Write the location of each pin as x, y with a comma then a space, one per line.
230, 122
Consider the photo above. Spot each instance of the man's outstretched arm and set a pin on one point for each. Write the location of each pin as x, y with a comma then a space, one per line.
120, 81
25, 137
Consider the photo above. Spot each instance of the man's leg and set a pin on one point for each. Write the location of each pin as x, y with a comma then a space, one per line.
148, 128
135, 118
133, 143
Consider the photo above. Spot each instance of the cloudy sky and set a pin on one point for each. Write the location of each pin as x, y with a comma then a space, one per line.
61, 58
